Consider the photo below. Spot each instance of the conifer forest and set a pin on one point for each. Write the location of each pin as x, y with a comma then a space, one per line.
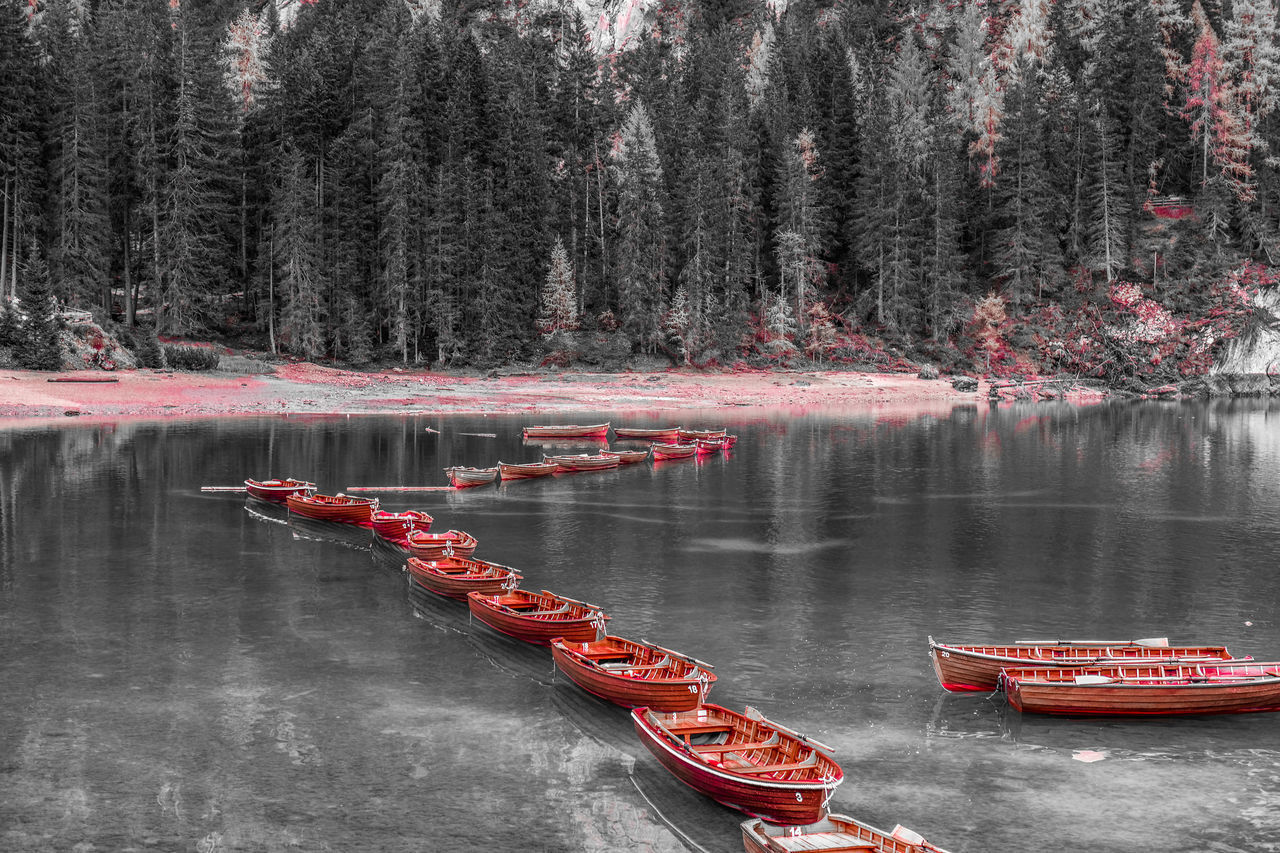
1000, 186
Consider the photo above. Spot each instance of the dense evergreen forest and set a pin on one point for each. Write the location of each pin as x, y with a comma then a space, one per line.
1081, 185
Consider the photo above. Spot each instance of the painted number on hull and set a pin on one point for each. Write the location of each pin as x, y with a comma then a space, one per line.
799, 799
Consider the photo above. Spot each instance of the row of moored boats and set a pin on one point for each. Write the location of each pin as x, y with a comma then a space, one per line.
779, 777
664, 443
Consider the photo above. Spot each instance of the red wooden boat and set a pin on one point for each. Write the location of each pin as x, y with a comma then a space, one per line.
397, 525
568, 431
538, 617
584, 462
627, 457
831, 833
526, 470
454, 577
278, 491
333, 508
1150, 689
462, 478
978, 667
743, 761
674, 451
433, 546
634, 674
659, 434
708, 446
687, 436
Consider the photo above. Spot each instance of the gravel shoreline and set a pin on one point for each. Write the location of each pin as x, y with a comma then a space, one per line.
311, 389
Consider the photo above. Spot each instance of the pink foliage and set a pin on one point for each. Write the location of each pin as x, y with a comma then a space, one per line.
244, 54
1214, 111
1132, 335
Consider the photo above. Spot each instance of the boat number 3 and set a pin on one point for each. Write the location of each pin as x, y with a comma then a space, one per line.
799, 799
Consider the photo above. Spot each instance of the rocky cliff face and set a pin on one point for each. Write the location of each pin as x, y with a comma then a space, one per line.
1258, 351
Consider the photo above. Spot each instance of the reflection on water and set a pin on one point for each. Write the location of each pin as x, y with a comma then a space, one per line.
187, 670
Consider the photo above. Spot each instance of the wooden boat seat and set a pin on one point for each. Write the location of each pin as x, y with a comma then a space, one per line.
811, 761
700, 728
712, 748
827, 842
624, 666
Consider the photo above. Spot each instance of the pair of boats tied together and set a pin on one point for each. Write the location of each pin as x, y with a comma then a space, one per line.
665, 443
781, 779
1145, 677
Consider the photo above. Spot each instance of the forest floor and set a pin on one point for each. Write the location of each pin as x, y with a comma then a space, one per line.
303, 388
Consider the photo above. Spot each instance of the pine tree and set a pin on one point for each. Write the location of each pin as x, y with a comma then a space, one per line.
38, 346
639, 270
78, 252
196, 211
297, 259
1214, 112
801, 226
22, 91
559, 301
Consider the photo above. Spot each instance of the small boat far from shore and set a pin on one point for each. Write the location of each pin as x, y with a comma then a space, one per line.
277, 491
567, 431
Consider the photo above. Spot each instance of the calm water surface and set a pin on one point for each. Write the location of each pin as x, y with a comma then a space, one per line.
186, 671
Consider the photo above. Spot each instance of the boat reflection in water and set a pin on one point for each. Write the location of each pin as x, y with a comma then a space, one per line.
352, 536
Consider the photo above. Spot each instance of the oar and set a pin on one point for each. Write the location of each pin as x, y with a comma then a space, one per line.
680, 655
223, 489
811, 741
1149, 641
399, 488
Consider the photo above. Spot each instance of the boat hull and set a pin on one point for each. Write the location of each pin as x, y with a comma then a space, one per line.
575, 464
627, 457
277, 491
1207, 692
690, 435
634, 687
964, 668
511, 471
568, 431
674, 451
787, 802
454, 578
833, 832
465, 478
398, 525
434, 546
667, 435
339, 509
537, 628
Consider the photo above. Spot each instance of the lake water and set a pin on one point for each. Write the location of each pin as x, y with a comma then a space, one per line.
188, 671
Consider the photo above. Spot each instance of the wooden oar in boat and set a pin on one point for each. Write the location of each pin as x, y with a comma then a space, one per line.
240, 489
681, 655
795, 734
1148, 641
400, 488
